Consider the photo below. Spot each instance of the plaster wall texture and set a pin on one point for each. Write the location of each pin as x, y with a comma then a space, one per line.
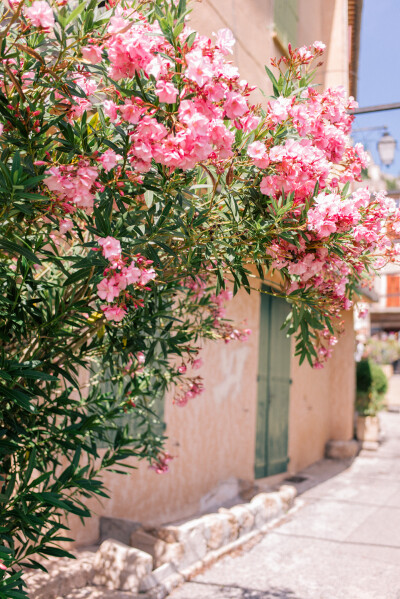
322, 402
326, 20
252, 25
213, 437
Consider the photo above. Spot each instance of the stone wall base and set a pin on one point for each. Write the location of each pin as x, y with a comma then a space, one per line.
158, 560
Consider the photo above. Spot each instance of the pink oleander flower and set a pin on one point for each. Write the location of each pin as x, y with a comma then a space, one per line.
131, 111
258, 153
41, 15
114, 313
109, 160
92, 54
235, 105
319, 46
111, 248
305, 54
317, 365
66, 225
147, 275
109, 289
1, 128
199, 67
160, 464
132, 274
278, 109
198, 363
166, 92
82, 105
225, 41
110, 110
250, 122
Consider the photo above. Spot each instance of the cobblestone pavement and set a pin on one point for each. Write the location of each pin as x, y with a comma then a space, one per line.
344, 543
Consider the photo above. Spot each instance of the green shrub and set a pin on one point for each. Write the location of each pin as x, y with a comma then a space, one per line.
379, 379
372, 385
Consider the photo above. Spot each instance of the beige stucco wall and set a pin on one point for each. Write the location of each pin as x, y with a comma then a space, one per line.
326, 20
212, 437
322, 402
252, 24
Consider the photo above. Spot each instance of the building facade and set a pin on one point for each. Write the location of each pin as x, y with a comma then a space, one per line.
262, 416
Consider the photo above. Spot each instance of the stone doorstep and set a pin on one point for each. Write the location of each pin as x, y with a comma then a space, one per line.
177, 553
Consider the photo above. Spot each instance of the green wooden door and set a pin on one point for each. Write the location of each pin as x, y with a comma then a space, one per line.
273, 389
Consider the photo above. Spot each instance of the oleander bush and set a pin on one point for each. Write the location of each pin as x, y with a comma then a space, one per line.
140, 188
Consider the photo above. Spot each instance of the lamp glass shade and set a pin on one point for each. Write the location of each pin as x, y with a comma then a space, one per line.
386, 149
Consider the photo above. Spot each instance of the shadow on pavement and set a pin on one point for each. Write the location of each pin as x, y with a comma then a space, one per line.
233, 591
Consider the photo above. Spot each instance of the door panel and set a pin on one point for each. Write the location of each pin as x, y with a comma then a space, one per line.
273, 389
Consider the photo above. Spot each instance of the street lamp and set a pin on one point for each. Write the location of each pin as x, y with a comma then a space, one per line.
386, 148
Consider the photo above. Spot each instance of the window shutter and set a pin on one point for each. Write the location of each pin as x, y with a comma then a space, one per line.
393, 291
285, 21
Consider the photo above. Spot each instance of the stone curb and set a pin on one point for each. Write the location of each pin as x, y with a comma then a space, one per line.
177, 553
247, 541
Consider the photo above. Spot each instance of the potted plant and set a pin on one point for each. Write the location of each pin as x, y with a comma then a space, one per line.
371, 388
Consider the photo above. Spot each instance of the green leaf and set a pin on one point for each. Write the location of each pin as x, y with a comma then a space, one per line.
273, 80
14, 248
149, 197
75, 13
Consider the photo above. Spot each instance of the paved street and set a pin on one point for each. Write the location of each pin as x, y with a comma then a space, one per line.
343, 543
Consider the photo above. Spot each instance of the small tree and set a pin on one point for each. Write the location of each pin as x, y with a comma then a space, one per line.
136, 178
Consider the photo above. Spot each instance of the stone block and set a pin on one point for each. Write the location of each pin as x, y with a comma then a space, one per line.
166, 553
119, 529
190, 536
161, 552
265, 507
157, 577
287, 494
178, 533
370, 445
96, 593
244, 517
194, 545
120, 567
63, 577
144, 541
218, 530
342, 450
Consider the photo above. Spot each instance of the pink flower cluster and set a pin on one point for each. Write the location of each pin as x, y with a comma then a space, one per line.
191, 388
298, 165
74, 185
160, 464
207, 90
323, 153
119, 276
356, 223
135, 363
41, 15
